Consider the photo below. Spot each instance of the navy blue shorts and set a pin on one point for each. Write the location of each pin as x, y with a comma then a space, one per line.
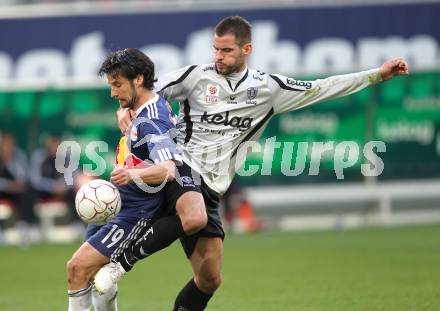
111, 239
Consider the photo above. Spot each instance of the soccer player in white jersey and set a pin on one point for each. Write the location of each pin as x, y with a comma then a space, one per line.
223, 105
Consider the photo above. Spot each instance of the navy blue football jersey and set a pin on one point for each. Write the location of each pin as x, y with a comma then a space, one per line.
149, 140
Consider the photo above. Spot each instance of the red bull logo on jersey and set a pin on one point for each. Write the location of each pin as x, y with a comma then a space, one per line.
124, 158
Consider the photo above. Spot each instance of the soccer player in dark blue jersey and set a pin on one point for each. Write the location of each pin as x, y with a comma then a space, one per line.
145, 161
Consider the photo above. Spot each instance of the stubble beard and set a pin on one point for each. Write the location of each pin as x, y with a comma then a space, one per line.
236, 67
131, 104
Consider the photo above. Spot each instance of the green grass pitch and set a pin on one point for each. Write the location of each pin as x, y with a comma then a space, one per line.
394, 269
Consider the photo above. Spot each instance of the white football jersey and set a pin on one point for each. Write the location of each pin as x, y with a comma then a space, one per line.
219, 113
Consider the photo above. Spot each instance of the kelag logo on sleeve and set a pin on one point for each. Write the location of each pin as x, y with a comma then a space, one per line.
304, 84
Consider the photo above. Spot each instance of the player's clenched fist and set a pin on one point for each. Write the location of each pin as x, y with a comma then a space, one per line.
121, 176
394, 67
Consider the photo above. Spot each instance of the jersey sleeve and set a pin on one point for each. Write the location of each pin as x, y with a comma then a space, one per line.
176, 85
289, 94
159, 137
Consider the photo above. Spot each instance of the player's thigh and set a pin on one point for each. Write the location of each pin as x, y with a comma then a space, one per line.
207, 258
183, 195
88, 258
191, 203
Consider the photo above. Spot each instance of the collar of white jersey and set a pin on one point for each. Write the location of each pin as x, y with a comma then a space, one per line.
147, 103
237, 76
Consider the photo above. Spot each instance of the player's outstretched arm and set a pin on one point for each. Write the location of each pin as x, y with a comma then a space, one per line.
155, 174
289, 94
394, 67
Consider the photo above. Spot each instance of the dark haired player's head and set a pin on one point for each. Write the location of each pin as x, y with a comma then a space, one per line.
129, 73
232, 44
237, 26
129, 63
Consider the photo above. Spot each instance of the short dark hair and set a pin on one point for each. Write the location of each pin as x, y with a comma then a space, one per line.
129, 63
237, 26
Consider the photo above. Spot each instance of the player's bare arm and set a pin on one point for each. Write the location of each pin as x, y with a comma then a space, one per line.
394, 67
155, 174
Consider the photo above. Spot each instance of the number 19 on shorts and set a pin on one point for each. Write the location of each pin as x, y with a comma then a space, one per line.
113, 236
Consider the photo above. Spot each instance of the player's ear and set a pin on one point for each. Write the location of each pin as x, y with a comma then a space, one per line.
139, 80
247, 49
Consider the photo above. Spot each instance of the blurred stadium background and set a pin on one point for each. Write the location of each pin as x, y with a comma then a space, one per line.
49, 56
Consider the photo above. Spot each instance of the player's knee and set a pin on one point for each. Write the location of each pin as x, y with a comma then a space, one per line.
209, 282
72, 267
192, 211
215, 282
199, 218
194, 222
75, 270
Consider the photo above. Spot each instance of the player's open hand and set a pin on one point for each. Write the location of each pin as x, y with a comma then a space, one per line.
121, 176
394, 67
124, 116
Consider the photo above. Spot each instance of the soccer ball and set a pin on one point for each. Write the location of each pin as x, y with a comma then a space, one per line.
97, 202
